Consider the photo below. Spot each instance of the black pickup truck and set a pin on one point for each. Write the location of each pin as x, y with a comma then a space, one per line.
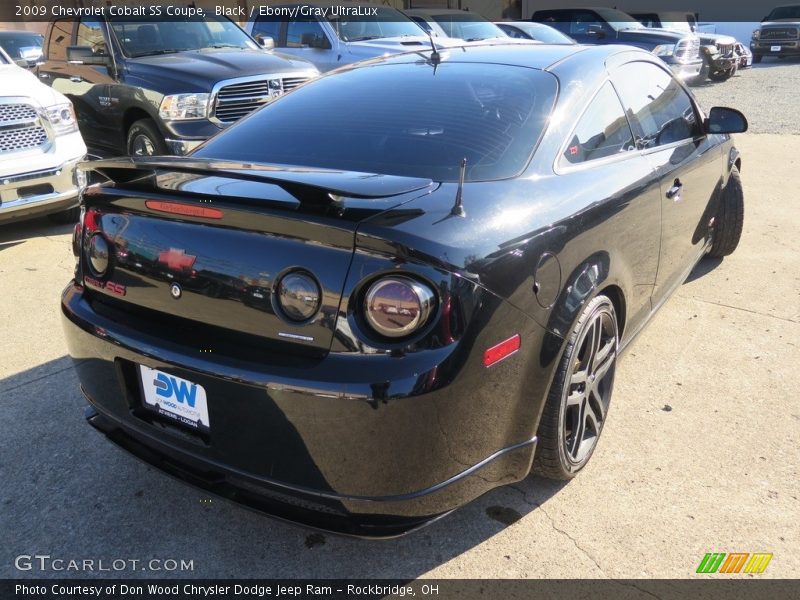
609, 26
143, 87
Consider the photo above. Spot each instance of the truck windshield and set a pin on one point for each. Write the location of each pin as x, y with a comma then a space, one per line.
470, 28
785, 12
386, 23
617, 19
140, 37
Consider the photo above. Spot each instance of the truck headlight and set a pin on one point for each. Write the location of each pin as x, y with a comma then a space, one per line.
62, 118
756, 34
184, 106
664, 50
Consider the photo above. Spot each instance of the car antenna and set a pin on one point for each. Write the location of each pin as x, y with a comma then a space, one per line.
458, 208
436, 58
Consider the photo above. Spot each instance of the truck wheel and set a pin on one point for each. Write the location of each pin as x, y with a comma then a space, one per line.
144, 139
721, 75
729, 219
578, 401
757, 58
66, 217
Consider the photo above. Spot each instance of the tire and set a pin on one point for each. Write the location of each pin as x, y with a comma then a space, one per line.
66, 217
757, 58
144, 139
721, 75
580, 395
729, 219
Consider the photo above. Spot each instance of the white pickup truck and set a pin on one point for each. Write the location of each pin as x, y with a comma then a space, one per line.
40, 147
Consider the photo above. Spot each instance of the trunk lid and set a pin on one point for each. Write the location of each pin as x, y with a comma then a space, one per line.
206, 242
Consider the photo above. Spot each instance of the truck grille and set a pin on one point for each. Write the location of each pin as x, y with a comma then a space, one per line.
725, 49
20, 128
237, 100
778, 33
687, 49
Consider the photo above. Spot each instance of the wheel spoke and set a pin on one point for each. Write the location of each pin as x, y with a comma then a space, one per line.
591, 420
579, 377
593, 337
596, 405
602, 354
575, 398
578, 432
604, 366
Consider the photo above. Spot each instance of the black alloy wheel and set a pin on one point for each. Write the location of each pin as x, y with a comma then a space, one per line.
578, 403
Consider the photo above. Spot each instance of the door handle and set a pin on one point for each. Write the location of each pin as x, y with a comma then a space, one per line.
44, 75
675, 191
75, 78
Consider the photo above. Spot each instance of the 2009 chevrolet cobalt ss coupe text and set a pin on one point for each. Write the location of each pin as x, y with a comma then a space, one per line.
400, 285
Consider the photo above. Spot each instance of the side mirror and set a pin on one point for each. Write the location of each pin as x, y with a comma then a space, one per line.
313, 40
725, 120
596, 31
84, 55
266, 42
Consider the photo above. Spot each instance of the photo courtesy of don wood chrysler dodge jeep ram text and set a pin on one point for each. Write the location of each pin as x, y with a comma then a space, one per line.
415, 292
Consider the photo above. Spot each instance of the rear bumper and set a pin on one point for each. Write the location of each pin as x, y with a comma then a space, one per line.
313, 451
40, 192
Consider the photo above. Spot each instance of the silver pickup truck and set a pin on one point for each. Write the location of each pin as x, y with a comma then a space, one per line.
40, 147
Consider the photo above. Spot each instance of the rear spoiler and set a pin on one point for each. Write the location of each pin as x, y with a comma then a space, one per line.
305, 184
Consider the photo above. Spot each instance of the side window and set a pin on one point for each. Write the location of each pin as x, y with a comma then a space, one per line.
583, 21
90, 33
602, 131
657, 105
512, 32
300, 33
268, 27
60, 38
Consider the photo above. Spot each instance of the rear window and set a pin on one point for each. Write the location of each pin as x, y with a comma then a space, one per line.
401, 119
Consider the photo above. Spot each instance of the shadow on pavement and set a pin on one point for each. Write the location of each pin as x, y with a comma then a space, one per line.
13, 233
69, 493
704, 267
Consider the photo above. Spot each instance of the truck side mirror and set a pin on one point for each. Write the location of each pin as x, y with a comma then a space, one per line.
84, 55
596, 31
725, 120
265, 42
313, 40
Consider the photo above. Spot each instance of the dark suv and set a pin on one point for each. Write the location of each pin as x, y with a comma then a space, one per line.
778, 35
681, 51
145, 87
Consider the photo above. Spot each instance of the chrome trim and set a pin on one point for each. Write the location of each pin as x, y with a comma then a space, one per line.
182, 147
212, 106
43, 121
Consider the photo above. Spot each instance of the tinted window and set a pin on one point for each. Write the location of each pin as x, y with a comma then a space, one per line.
467, 27
60, 38
90, 33
513, 32
297, 29
602, 131
401, 119
144, 37
269, 27
17, 43
657, 104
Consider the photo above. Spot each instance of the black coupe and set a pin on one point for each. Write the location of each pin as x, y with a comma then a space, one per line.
400, 285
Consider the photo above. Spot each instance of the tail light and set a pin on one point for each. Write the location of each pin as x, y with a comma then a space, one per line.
398, 306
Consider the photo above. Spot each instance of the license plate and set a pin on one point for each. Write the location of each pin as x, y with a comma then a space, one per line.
774, 48
178, 399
